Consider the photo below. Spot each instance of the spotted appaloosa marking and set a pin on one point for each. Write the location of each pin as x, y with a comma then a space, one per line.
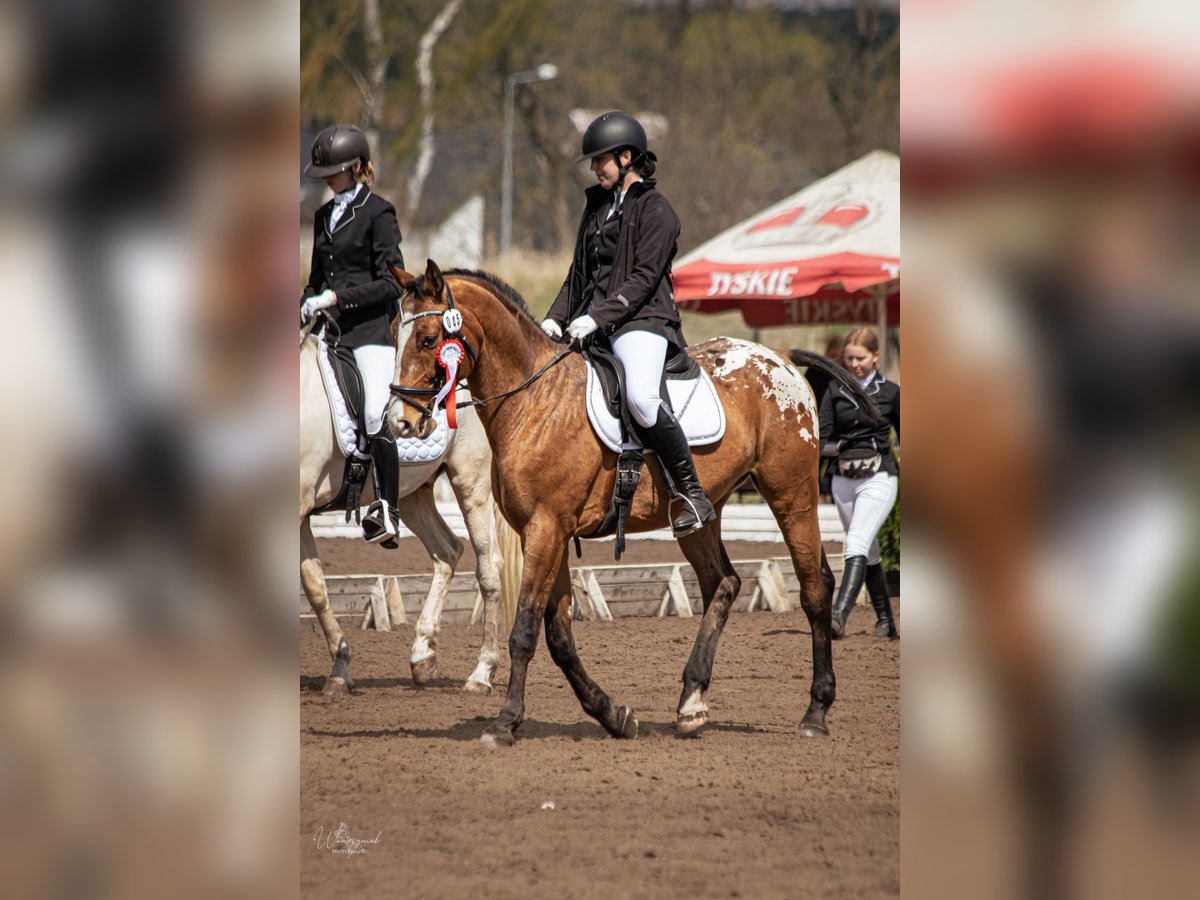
788, 387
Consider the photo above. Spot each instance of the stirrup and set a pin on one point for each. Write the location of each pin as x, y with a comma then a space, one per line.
377, 525
697, 522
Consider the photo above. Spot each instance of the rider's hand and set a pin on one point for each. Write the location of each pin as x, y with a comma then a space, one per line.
551, 328
316, 303
581, 328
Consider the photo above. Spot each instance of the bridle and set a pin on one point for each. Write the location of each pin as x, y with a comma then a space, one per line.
452, 334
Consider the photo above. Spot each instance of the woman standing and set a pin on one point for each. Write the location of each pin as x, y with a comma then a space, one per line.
619, 286
864, 481
356, 241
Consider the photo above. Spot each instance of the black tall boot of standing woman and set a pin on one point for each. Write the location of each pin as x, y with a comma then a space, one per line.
852, 582
885, 622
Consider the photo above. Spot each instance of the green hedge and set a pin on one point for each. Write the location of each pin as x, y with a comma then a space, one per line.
889, 536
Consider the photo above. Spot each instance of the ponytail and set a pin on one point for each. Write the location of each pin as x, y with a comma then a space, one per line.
645, 164
365, 174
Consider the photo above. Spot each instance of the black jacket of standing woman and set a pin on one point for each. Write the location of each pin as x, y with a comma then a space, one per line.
845, 426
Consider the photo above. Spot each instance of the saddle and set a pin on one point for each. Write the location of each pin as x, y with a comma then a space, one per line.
607, 370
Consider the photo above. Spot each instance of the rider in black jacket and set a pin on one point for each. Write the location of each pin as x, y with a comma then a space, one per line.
619, 285
356, 241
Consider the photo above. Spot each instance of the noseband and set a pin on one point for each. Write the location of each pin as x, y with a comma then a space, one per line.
451, 331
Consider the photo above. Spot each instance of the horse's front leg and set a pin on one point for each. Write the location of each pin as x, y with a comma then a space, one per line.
544, 545
312, 579
619, 721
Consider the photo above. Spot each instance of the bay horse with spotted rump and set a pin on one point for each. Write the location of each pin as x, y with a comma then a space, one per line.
553, 480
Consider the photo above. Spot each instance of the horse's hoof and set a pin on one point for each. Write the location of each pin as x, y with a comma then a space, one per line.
813, 729
692, 722
494, 739
477, 687
627, 724
337, 685
425, 670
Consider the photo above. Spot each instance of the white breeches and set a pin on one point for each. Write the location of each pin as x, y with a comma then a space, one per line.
863, 505
643, 355
376, 364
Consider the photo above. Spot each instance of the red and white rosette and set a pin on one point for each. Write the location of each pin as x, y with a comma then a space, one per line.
449, 355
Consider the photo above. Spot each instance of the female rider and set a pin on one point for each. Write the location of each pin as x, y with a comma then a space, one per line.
619, 287
356, 241
864, 481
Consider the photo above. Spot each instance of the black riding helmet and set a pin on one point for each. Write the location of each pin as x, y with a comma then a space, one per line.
336, 149
613, 131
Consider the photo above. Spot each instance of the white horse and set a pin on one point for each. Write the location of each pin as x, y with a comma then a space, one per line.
468, 464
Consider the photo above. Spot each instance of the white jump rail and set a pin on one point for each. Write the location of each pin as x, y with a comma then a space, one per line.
599, 592
739, 522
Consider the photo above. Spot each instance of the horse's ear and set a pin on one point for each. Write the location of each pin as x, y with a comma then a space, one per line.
433, 278
406, 279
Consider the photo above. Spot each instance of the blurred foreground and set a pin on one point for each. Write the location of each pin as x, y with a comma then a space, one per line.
147, 530
1051, 682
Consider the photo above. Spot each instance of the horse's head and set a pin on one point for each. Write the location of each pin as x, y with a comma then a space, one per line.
430, 344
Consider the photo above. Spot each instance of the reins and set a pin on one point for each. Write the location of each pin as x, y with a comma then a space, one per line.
559, 357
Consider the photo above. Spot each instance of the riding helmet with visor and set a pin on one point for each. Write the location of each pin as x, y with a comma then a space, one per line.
336, 149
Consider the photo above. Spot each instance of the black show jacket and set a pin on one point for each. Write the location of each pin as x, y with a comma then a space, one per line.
844, 426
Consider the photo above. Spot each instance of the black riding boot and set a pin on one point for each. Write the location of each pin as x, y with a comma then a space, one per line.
381, 523
852, 582
668, 441
885, 622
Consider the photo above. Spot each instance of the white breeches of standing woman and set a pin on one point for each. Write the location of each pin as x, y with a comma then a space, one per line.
643, 355
377, 365
863, 505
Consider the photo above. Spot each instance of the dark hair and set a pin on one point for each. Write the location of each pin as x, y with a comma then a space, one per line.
645, 164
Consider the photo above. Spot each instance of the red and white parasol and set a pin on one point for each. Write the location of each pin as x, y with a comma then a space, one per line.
827, 254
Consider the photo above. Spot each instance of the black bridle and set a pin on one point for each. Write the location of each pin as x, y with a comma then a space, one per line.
407, 393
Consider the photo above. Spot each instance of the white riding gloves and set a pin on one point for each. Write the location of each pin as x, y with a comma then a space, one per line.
551, 328
581, 328
316, 303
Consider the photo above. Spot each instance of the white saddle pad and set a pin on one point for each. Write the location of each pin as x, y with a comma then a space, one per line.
695, 403
410, 450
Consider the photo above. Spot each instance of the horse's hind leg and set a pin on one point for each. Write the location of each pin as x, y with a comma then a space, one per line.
719, 586
474, 492
618, 721
794, 504
419, 513
312, 579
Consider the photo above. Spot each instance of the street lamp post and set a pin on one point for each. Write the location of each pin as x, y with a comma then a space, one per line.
544, 72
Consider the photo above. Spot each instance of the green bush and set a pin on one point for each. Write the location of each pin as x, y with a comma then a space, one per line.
889, 537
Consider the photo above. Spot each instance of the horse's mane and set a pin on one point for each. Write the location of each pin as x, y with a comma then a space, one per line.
502, 289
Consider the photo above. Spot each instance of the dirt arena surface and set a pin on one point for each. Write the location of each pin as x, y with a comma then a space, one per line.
744, 809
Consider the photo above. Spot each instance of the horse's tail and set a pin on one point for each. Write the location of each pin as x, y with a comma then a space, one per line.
507, 545
840, 375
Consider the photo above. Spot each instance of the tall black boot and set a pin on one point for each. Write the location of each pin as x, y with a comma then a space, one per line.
668, 441
885, 622
382, 521
852, 582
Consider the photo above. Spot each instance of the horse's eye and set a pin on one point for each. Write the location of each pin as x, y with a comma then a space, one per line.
428, 341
